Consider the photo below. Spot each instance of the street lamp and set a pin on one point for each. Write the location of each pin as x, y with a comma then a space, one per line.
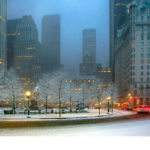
28, 94
99, 104
130, 100
108, 98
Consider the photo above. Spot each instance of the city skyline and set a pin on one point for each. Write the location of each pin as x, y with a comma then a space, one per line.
71, 35
51, 42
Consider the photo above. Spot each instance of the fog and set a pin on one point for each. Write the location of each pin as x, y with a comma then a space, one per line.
76, 15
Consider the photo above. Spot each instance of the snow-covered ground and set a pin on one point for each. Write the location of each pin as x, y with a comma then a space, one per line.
91, 113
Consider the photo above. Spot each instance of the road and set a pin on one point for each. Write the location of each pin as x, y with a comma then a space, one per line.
139, 126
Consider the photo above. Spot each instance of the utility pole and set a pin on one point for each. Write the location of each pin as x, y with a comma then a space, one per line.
46, 105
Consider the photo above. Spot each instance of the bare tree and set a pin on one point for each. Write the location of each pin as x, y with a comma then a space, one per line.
57, 88
13, 87
69, 93
53, 85
44, 88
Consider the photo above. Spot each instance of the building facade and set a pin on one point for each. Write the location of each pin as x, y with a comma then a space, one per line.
11, 39
51, 43
88, 66
118, 17
3, 40
104, 74
27, 50
133, 55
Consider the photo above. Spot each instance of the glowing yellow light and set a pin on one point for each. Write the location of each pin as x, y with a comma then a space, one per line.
129, 94
108, 98
28, 93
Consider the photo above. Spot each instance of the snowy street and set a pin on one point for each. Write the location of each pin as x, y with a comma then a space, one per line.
131, 127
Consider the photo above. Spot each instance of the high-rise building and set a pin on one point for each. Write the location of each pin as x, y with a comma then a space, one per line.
118, 16
51, 43
133, 56
3, 39
88, 66
27, 49
11, 39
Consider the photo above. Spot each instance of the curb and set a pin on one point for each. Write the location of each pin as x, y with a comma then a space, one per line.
63, 121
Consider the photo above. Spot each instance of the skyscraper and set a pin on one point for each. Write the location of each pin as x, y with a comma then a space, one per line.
133, 56
118, 16
88, 66
3, 39
51, 42
27, 49
11, 39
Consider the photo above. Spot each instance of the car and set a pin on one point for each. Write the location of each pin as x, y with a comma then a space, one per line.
143, 109
8, 111
66, 110
125, 107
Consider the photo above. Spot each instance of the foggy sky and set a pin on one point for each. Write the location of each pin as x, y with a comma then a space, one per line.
76, 15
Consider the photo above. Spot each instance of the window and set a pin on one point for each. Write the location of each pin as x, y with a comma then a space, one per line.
148, 61
142, 61
142, 80
142, 37
148, 55
142, 55
147, 86
148, 43
142, 67
148, 36
142, 73
142, 43
142, 18
142, 50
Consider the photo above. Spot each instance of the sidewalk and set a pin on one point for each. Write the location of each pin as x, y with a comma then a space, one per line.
91, 114
21, 120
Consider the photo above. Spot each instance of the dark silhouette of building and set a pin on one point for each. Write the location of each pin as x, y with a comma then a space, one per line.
118, 16
3, 40
88, 65
27, 50
51, 43
11, 39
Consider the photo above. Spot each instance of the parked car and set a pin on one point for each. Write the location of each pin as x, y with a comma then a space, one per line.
125, 107
8, 111
143, 109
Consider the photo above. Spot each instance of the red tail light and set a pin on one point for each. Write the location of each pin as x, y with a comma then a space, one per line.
147, 109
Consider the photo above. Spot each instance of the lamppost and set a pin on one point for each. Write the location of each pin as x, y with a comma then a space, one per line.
28, 94
46, 104
108, 98
130, 100
70, 104
14, 104
60, 98
99, 104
